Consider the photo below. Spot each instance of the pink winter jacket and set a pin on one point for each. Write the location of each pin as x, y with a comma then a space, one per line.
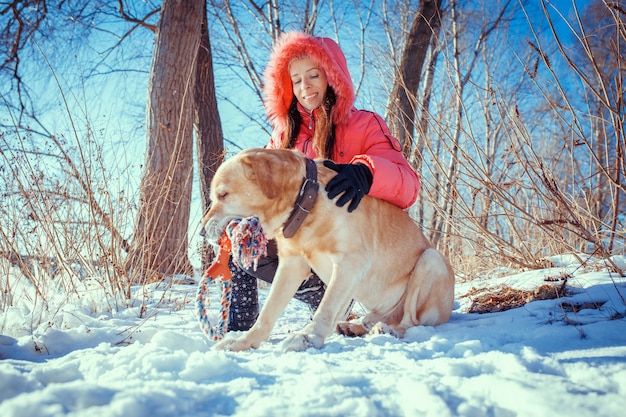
360, 136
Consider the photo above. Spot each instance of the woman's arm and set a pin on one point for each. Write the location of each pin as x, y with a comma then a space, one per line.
394, 180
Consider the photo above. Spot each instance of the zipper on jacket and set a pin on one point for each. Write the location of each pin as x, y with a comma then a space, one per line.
311, 120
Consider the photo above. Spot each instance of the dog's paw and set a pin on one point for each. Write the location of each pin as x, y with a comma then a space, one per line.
351, 329
383, 328
235, 344
302, 341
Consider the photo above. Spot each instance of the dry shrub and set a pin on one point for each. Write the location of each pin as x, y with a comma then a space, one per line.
507, 298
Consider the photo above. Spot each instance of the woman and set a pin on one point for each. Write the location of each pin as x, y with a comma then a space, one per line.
309, 99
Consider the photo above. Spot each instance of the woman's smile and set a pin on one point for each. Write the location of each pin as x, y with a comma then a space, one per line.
308, 81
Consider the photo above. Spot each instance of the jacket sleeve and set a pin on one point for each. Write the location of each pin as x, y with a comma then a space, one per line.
394, 180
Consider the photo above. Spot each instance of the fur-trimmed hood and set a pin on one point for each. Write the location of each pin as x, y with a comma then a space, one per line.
278, 91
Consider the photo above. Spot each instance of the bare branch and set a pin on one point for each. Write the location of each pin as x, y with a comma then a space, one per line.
140, 22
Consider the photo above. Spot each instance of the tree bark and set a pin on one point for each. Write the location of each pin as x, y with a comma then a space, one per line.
160, 241
417, 154
209, 135
402, 107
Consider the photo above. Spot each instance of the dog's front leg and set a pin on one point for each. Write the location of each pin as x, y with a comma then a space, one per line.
292, 270
339, 292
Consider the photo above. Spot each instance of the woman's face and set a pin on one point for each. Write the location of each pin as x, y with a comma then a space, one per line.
308, 81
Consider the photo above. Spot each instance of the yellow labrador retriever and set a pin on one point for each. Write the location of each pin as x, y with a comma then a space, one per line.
377, 254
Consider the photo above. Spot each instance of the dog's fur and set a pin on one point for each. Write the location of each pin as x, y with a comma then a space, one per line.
376, 254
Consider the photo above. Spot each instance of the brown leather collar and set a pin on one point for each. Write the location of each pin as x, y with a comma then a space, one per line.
305, 202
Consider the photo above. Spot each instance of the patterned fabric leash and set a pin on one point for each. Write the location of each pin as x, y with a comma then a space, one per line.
245, 241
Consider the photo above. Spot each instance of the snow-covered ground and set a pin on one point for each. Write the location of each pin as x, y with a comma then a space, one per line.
544, 359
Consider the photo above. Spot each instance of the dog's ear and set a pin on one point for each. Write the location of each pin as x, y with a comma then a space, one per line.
265, 170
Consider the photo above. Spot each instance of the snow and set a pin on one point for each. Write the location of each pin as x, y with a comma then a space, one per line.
94, 357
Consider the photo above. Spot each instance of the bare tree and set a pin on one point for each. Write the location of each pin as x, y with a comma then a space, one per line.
424, 120
402, 107
209, 136
603, 37
441, 226
25, 25
160, 242
599, 153
23, 19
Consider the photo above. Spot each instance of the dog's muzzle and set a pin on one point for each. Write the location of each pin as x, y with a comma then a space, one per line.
213, 230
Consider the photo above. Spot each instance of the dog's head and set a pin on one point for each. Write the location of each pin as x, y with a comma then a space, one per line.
255, 182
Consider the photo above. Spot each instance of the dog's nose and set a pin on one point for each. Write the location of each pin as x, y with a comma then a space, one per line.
202, 232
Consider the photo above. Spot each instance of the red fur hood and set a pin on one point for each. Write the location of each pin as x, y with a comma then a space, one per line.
277, 90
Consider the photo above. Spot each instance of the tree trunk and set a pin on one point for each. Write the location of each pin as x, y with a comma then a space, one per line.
450, 194
160, 241
422, 125
402, 106
209, 136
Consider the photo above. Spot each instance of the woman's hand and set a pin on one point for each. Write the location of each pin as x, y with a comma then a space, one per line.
352, 180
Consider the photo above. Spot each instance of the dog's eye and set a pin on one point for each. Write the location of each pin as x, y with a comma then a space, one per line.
222, 196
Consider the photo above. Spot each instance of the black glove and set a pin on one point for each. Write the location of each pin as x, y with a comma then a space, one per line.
353, 180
